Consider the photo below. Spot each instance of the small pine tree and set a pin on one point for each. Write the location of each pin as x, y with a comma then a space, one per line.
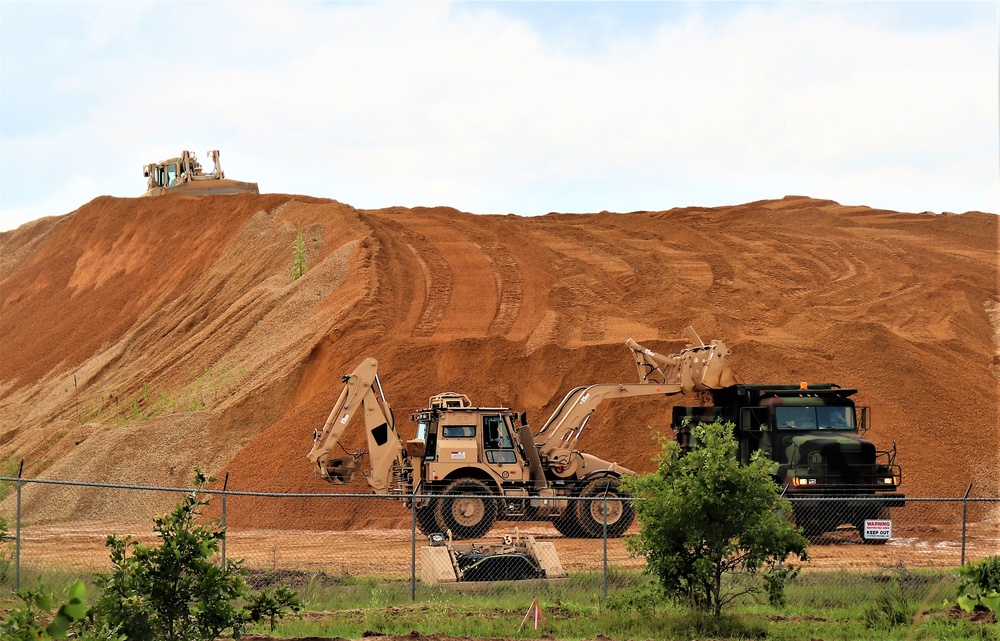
704, 517
300, 262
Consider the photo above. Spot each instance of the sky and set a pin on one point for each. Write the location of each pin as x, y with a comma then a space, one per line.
507, 107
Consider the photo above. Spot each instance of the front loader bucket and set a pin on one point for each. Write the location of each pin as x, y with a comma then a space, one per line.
341, 471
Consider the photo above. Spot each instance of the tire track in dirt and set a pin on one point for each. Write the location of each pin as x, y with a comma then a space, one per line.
413, 280
580, 295
507, 277
461, 283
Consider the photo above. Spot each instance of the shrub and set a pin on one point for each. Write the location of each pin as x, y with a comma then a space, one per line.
173, 590
300, 259
703, 517
979, 584
23, 622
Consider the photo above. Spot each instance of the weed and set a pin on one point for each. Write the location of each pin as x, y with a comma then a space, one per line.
889, 610
300, 262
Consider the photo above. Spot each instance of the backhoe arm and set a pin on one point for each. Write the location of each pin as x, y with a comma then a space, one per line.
384, 444
697, 367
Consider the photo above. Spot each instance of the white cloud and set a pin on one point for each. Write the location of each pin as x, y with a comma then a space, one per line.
377, 104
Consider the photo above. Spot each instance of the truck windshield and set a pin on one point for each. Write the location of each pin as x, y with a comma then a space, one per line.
835, 418
795, 418
811, 418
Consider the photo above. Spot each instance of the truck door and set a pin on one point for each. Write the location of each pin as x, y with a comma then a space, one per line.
498, 447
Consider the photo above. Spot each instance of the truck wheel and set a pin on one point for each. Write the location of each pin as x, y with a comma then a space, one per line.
567, 525
470, 516
590, 514
427, 522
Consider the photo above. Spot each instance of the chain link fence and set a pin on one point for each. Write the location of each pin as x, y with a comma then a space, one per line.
62, 526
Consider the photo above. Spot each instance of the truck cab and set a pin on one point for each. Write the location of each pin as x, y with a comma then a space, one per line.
455, 439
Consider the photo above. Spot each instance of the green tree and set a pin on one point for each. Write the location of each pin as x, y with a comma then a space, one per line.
174, 591
711, 529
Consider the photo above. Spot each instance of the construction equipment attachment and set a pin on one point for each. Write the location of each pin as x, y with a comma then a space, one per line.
512, 558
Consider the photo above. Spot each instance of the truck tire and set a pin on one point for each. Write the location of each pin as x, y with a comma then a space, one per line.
590, 514
567, 525
468, 517
427, 521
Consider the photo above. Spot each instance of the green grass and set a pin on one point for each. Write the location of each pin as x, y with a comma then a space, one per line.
830, 605
875, 605
122, 406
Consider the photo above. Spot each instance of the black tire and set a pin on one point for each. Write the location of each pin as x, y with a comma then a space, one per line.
468, 517
815, 519
427, 522
590, 514
567, 525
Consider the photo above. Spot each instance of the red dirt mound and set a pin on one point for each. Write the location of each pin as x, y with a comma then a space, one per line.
128, 309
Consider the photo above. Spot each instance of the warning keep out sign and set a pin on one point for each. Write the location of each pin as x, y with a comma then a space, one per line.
878, 529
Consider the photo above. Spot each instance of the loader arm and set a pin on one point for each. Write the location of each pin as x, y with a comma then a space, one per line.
697, 367
384, 445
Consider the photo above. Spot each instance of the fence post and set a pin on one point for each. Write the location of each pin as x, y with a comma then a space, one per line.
413, 544
965, 514
17, 531
225, 532
604, 577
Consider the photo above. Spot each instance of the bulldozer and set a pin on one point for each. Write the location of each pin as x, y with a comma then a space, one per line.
468, 467
184, 175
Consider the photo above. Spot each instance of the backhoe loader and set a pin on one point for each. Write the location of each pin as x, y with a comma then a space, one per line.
468, 466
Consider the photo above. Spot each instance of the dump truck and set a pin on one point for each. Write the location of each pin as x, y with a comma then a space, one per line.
813, 435
468, 467
184, 175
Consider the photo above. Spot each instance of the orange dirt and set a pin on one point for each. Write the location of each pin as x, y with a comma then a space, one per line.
183, 307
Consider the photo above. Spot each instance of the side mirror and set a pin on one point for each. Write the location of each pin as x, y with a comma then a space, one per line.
863, 426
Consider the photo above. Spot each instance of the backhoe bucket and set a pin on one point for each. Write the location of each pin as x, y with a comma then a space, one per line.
341, 471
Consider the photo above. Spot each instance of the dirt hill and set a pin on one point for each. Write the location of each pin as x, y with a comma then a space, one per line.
143, 337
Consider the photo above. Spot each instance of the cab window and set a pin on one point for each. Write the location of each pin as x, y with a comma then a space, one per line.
458, 431
835, 418
496, 440
795, 418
